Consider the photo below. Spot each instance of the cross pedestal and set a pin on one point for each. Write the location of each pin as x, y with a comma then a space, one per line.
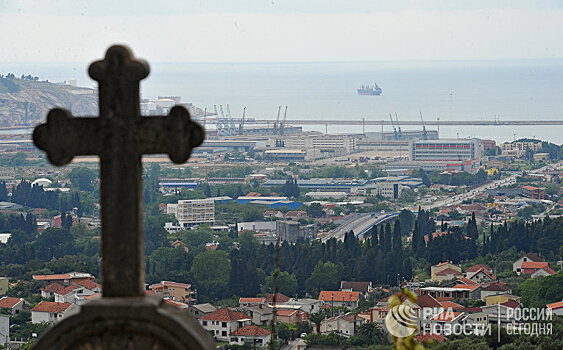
124, 318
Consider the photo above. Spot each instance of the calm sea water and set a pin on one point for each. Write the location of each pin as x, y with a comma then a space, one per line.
480, 90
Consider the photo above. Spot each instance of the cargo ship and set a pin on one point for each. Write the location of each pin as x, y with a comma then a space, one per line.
372, 90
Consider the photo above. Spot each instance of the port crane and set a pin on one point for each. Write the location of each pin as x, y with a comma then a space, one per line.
275, 131
241, 125
393, 125
204, 117
224, 121
232, 128
399, 127
282, 124
218, 119
424, 133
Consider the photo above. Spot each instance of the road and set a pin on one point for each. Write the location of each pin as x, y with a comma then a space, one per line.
481, 189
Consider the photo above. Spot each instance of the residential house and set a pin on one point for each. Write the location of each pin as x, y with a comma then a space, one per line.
443, 266
49, 290
15, 305
378, 313
495, 288
362, 287
252, 335
291, 316
445, 292
345, 325
339, 298
89, 284
556, 308
244, 302
200, 310
310, 306
176, 304
474, 291
48, 311
428, 307
470, 271
64, 278
500, 313
517, 265
501, 298
533, 192
482, 275
261, 315
447, 274
222, 322
296, 215
536, 269
72, 294
438, 323
479, 320
181, 292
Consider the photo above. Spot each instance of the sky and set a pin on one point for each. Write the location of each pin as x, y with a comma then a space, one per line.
281, 30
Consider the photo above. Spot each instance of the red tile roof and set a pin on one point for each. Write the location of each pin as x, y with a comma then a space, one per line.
496, 287
511, 304
286, 313
468, 281
451, 305
430, 337
487, 273
553, 306
88, 284
466, 286
224, 315
446, 316
9, 302
339, 296
251, 331
448, 271
534, 265
49, 306
477, 267
67, 290
427, 301
63, 276
280, 298
549, 270
474, 309
533, 257
251, 300
52, 287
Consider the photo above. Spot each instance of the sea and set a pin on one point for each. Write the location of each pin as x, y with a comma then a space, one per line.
448, 90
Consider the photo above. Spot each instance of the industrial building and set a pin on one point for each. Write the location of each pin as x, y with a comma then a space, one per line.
445, 150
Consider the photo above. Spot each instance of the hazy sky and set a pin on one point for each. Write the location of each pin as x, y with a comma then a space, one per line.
281, 30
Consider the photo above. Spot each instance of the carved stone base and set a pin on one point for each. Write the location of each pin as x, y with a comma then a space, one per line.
127, 323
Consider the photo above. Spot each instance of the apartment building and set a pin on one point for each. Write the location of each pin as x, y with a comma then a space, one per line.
193, 212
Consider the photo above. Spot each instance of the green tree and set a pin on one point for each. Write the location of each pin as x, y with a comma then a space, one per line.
324, 277
210, 272
286, 282
83, 178
315, 210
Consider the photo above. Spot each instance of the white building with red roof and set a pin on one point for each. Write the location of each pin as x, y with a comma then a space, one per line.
48, 311
49, 290
222, 322
481, 275
72, 294
447, 317
344, 325
64, 278
452, 271
556, 308
253, 335
244, 302
536, 269
15, 305
337, 298
517, 265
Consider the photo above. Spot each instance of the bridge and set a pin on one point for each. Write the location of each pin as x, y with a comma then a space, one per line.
360, 224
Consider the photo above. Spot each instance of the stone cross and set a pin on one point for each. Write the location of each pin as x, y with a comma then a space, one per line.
120, 136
